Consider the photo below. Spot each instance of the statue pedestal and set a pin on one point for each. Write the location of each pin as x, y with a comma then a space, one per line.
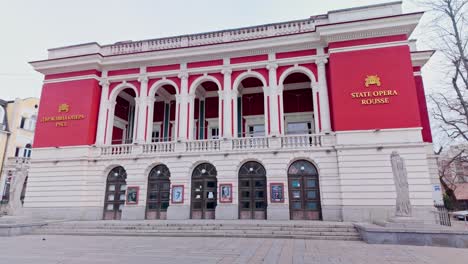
402, 222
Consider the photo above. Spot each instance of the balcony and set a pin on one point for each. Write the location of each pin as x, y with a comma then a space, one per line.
288, 142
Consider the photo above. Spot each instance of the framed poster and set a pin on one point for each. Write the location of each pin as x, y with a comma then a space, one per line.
276, 192
177, 194
132, 194
225, 193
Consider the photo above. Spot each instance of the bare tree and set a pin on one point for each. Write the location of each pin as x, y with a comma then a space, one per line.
450, 28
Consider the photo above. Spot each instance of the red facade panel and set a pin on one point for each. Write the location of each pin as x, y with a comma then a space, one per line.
297, 53
123, 72
262, 57
68, 114
392, 103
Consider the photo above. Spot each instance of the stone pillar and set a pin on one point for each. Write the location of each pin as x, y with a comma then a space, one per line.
191, 116
316, 108
228, 114
183, 103
110, 122
273, 98
175, 137
103, 107
282, 125
149, 120
266, 98
234, 113
221, 117
140, 110
323, 95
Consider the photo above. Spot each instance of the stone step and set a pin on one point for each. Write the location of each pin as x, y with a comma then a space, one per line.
129, 227
86, 230
204, 234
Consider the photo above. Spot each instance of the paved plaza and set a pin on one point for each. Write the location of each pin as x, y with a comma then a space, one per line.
140, 250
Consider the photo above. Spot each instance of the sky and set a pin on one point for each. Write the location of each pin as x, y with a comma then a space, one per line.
29, 27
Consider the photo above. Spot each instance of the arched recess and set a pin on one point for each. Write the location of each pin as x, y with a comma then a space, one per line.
298, 103
162, 114
157, 198
204, 193
252, 191
206, 119
114, 199
304, 191
250, 107
123, 114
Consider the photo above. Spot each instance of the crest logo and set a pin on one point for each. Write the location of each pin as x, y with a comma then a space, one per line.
63, 108
373, 80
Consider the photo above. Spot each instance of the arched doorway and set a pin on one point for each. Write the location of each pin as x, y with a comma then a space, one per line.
252, 191
205, 112
204, 192
250, 109
157, 199
123, 126
300, 116
304, 192
115, 193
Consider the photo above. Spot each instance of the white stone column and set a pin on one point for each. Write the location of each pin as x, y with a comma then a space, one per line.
234, 113
150, 104
273, 97
110, 122
136, 118
175, 137
140, 110
316, 108
266, 93
323, 95
191, 117
228, 115
103, 108
221, 115
281, 110
183, 102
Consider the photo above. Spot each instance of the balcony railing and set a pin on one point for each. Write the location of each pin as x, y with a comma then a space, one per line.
218, 145
300, 141
250, 143
202, 145
160, 147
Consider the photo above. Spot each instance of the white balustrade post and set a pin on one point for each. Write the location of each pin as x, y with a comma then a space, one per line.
274, 120
183, 102
142, 104
103, 108
228, 114
323, 95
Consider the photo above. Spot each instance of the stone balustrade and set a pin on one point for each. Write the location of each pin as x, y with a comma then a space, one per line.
221, 145
249, 33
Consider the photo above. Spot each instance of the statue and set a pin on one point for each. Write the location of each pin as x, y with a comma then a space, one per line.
400, 177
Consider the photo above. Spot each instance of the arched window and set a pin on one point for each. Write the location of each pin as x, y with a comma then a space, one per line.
304, 191
302, 167
27, 151
204, 170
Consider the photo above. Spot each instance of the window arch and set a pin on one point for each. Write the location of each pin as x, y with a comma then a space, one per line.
159, 171
157, 198
116, 187
204, 170
302, 167
252, 168
252, 191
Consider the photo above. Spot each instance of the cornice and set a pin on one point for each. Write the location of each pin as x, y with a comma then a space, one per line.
420, 58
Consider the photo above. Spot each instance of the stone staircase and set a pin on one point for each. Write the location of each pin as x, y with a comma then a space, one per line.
205, 228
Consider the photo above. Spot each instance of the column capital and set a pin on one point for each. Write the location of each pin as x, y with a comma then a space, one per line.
272, 66
112, 104
104, 82
221, 94
321, 61
183, 75
143, 78
226, 71
191, 96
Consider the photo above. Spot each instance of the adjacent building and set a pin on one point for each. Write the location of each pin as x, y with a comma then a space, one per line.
291, 120
17, 124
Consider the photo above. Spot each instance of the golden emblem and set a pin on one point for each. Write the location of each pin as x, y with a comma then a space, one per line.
63, 108
373, 80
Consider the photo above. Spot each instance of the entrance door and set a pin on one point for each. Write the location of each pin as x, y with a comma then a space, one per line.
204, 192
304, 192
157, 199
252, 191
115, 193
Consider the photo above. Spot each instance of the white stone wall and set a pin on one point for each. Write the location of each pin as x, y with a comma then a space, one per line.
356, 180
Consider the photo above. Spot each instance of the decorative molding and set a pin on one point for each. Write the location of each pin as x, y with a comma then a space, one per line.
370, 46
75, 78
